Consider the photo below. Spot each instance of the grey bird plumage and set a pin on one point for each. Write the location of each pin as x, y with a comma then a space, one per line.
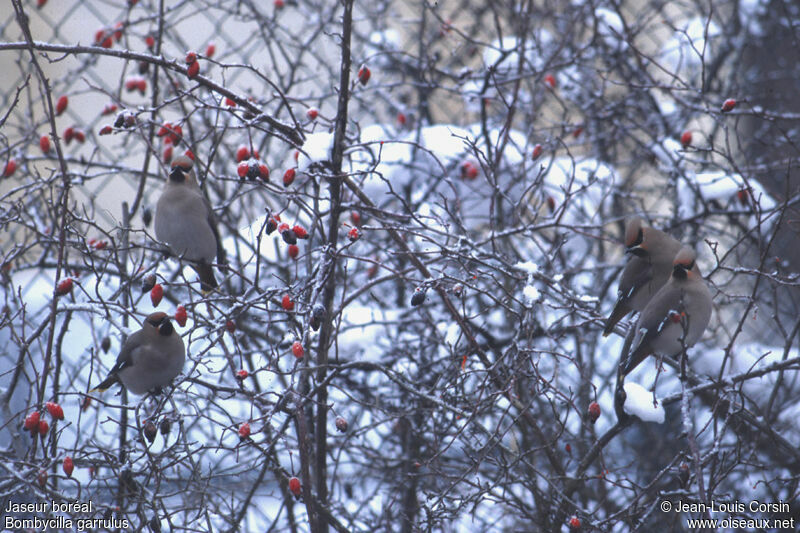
648, 269
185, 221
149, 359
676, 316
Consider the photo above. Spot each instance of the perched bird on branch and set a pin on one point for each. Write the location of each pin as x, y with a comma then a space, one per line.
648, 269
149, 359
676, 317
185, 221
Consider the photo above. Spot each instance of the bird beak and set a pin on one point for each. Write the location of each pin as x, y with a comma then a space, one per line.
177, 175
166, 327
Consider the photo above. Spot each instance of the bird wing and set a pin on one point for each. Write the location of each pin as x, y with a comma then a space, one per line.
124, 360
655, 317
628, 286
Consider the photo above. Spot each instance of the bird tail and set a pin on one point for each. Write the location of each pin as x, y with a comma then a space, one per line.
207, 280
616, 315
106, 383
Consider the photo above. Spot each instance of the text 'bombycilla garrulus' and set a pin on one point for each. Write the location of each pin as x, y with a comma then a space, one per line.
676, 316
185, 221
648, 269
149, 359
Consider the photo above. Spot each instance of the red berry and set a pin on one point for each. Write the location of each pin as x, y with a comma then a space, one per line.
242, 374
131, 84
61, 104
191, 57
550, 80
150, 41
80, 136
297, 349
40, 3
32, 421
244, 431
44, 143
312, 113
55, 410
68, 134
278, 4
294, 486
230, 325
364, 75
156, 293
181, 316
355, 218
118, 27
288, 177
742, 195
283, 226
577, 132
100, 245
43, 427
11, 167
341, 424
294, 251
728, 105
164, 129
287, 303
193, 70
229, 102
353, 234
686, 138
300, 232
107, 42
167, 154
242, 153
263, 172
141, 85
109, 109
64, 287
211, 49
189, 154
401, 119
243, 169
41, 479
568, 447
537, 151
594, 412
574, 523
68, 466
469, 170
105, 130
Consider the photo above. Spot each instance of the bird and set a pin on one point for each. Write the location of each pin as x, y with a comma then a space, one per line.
149, 359
186, 223
676, 317
648, 269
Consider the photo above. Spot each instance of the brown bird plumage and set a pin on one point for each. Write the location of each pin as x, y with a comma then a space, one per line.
149, 359
185, 221
677, 315
647, 270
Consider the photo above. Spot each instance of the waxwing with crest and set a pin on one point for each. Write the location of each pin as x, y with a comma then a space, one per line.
149, 359
185, 221
651, 253
676, 317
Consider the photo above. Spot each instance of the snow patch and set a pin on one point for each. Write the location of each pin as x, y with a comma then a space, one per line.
639, 403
